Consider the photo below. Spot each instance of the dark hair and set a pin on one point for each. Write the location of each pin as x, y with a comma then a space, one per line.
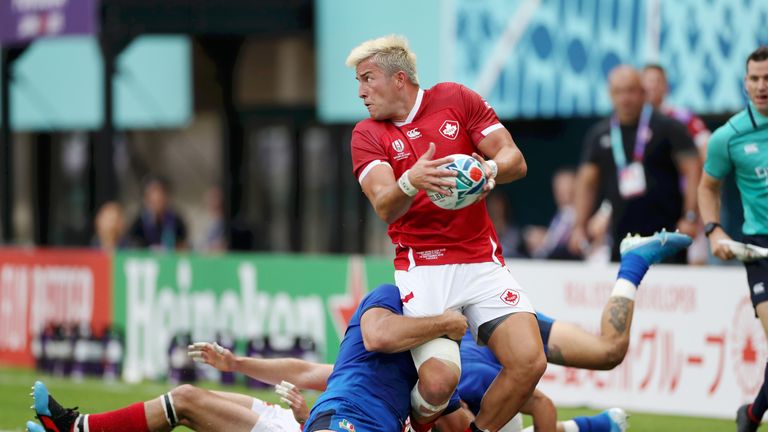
152, 179
758, 55
656, 67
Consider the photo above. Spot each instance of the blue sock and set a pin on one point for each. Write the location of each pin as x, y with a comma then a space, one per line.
596, 423
632, 268
760, 404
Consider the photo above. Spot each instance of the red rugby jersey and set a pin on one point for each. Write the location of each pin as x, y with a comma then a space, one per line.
455, 118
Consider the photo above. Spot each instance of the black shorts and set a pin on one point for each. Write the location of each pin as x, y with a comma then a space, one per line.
757, 272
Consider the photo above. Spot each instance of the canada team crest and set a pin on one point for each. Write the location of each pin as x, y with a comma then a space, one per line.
450, 129
510, 297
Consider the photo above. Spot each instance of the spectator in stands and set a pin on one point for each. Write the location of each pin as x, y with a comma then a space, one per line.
638, 159
214, 238
158, 226
552, 242
656, 90
110, 227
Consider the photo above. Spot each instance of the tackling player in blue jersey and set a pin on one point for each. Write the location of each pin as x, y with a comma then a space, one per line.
369, 388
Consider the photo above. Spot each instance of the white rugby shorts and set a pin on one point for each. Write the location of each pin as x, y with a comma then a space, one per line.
481, 291
274, 417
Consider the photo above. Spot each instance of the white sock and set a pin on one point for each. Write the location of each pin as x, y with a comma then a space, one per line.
166, 401
81, 423
623, 288
570, 426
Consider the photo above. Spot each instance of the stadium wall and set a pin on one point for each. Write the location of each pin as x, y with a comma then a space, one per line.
696, 347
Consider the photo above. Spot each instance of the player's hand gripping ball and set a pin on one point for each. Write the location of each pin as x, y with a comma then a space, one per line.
470, 180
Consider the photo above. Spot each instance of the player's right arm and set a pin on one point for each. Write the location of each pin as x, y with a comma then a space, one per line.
716, 166
303, 374
390, 199
709, 207
387, 332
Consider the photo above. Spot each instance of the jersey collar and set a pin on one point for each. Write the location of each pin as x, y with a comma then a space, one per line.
414, 110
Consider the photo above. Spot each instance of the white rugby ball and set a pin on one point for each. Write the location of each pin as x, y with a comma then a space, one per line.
470, 179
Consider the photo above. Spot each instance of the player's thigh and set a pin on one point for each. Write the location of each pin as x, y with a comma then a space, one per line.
516, 341
757, 279
761, 310
494, 295
570, 345
237, 398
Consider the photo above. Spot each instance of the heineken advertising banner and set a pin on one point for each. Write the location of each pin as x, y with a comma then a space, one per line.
277, 297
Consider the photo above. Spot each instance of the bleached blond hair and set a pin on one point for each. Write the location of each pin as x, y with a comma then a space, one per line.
391, 53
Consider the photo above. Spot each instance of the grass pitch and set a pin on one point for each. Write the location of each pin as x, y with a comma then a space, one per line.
93, 396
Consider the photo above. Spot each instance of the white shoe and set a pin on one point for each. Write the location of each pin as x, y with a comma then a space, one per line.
619, 422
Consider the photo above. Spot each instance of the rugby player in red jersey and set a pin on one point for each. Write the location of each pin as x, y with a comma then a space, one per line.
445, 259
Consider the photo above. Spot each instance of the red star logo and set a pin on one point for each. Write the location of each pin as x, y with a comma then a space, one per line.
343, 306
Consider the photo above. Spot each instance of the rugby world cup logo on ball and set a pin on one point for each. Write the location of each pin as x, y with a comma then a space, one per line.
470, 180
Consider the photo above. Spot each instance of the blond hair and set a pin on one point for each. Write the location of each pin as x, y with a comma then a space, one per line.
390, 53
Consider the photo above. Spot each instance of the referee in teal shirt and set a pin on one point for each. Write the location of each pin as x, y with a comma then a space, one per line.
741, 146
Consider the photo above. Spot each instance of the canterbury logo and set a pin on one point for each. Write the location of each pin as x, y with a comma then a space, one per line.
413, 133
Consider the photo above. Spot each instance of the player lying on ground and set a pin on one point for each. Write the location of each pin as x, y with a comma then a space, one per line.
367, 389
315, 376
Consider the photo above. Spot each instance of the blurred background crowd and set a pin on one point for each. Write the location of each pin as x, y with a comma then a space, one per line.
218, 140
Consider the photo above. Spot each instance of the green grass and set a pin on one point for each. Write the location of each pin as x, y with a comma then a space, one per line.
96, 396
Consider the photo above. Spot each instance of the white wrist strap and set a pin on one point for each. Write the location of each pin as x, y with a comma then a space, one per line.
406, 186
494, 167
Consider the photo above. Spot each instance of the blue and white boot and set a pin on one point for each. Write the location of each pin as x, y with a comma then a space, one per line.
654, 249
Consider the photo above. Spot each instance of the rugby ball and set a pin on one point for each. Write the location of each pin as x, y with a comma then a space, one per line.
470, 179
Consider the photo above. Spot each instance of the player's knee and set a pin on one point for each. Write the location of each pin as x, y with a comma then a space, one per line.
184, 397
538, 366
532, 368
438, 380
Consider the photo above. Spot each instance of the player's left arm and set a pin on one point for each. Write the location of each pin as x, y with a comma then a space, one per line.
387, 332
501, 148
491, 139
304, 374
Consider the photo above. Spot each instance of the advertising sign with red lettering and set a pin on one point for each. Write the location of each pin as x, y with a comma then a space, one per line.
696, 347
50, 287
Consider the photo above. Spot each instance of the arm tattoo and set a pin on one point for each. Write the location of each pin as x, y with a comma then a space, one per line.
555, 355
619, 311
